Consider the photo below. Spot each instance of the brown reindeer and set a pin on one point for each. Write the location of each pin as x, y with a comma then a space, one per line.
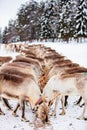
67, 84
5, 59
21, 86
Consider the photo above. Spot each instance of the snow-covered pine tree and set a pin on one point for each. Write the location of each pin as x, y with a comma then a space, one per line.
22, 22
0, 36
5, 35
28, 21
73, 7
48, 25
66, 19
59, 18
12, 31
81, 20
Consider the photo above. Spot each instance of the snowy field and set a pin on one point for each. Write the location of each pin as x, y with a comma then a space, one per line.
78, 54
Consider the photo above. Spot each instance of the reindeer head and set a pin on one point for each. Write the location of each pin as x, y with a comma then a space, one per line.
42, 112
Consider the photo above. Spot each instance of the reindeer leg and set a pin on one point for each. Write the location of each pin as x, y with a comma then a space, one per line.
55, 108
14, 112
63, 105
23, 118
78, 102
6, 103
84, 110
1, 112
82, 105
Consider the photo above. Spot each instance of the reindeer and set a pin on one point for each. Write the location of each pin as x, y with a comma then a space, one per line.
66, 84
3, 60
22, 67
57, 66
18, 85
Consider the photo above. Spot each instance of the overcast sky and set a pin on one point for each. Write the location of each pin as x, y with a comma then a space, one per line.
8, 10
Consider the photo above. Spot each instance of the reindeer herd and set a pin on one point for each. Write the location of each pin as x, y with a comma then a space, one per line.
41, 76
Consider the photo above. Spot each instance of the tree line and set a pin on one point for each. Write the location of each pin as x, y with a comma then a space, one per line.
49, 20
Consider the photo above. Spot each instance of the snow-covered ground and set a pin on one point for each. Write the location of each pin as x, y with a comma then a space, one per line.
78, 54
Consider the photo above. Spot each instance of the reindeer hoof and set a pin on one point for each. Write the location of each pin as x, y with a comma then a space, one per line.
24, 119
85, 118
81, 118
53, 114
2, 113
62, 113
14, 114
9, 109
82, 105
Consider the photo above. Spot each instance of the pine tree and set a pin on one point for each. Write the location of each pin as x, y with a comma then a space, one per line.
28, 21
12, 31
5, 36
48, 21
66, 18
0, 36
21, 19
81, 20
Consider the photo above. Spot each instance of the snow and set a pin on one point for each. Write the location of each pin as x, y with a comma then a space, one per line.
78, 54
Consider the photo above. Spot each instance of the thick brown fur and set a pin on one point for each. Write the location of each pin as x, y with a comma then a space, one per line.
72, 72
4, 59
53, 56
77, 69
17, 79
13, 71
26, 60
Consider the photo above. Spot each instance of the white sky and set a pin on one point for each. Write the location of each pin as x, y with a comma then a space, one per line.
8, 10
